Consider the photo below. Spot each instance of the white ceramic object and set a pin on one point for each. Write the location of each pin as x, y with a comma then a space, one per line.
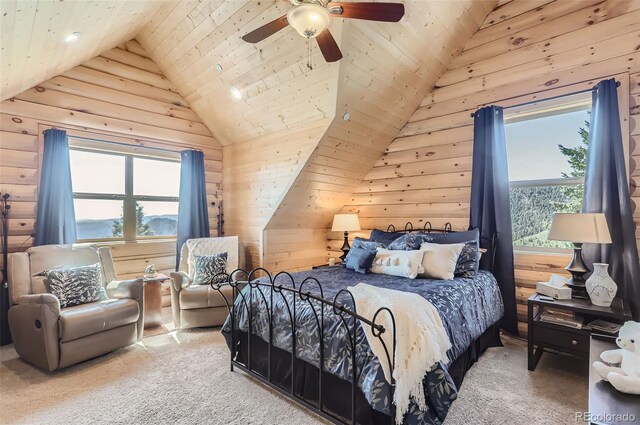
600, 286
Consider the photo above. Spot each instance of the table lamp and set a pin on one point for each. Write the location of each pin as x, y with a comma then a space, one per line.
579, 229
345, 223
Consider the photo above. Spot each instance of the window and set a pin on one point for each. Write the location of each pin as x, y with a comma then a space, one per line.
123, 193
547, 151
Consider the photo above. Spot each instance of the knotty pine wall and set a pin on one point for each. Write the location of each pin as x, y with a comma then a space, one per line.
524, 50
257, 175
120, 96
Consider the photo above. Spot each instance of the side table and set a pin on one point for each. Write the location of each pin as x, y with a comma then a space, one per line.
153, 301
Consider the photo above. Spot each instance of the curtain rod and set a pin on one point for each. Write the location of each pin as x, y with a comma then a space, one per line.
90, 139
531, 102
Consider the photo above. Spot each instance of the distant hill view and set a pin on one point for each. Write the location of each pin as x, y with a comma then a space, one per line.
160, 225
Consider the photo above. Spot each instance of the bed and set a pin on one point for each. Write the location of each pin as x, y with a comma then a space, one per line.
315, 306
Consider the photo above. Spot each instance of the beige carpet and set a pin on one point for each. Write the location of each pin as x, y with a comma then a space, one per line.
184, 378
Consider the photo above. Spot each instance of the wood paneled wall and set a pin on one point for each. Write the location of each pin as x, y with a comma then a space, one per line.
524, 50
120, 96
383, 77
257, 175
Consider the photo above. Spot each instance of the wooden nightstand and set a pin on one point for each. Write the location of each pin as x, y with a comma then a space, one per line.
562, 339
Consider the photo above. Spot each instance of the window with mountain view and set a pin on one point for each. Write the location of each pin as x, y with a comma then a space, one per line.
547, 152
124, 196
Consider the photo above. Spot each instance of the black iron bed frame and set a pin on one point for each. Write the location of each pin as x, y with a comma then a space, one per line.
348, 317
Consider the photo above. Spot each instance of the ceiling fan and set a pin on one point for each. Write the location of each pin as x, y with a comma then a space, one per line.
310, 18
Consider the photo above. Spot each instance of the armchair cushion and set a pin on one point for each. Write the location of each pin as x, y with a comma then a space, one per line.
203, 296
76, 285
209, 268
87, 319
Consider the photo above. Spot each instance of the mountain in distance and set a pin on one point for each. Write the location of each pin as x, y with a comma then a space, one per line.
165, 224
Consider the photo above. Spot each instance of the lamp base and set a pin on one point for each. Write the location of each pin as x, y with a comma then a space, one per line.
345, 247
578, 289
578, 269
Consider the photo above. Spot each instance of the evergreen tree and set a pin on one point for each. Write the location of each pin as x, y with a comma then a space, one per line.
577, 158
142, 229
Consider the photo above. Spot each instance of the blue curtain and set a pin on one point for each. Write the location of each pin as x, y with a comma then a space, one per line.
490, 205
55, 218
193, 218
607, 191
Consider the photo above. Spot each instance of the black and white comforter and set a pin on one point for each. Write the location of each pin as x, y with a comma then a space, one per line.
467, 306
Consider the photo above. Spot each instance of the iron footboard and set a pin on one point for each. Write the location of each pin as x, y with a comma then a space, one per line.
308, 291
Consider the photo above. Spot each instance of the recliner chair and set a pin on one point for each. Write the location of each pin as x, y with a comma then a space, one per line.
53, 338
196, 306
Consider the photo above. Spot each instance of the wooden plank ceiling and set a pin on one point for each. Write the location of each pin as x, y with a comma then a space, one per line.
33, 32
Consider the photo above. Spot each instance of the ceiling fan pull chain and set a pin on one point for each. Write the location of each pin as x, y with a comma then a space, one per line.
309, 64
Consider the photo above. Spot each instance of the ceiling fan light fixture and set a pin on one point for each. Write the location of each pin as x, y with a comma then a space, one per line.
309, 19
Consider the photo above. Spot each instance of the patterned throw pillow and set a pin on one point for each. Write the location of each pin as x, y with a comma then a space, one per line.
359, 242
76, 285
209, 269
408, 242
384, 237
469, 260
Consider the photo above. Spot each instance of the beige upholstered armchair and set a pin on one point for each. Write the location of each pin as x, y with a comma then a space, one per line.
52, 338
196, 306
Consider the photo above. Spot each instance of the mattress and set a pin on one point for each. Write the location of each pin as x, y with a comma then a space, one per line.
467, 306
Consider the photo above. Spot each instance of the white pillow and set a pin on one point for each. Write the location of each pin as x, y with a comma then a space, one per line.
398, 263
439, 261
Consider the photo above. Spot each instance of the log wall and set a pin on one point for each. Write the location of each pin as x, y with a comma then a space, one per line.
119, 96
523, 51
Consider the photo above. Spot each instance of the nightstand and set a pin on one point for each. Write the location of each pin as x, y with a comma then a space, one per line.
562, 339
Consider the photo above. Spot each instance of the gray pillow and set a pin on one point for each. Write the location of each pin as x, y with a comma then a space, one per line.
360, 259
76, 285
384, 237
209, 269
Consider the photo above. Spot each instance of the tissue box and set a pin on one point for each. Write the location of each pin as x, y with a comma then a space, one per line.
558, 293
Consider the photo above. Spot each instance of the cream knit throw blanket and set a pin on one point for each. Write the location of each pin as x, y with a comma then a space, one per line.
421, 340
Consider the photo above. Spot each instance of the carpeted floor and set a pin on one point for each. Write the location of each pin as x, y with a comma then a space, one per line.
184, 378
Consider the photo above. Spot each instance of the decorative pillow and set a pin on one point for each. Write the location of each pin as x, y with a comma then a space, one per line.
384, 237
408, 242
209, 268
76, 285
452, 237
469, 260
359, 242
440, 260
398, 263
360, 259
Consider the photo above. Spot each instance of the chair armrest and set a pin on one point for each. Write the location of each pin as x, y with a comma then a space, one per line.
134, 289
45, 299
131, 288
33, 321
180, 280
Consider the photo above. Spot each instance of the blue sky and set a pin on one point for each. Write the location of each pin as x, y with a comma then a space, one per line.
532, 145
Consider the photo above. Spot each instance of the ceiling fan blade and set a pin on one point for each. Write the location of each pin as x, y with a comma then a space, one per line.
328, 46
266, 30
384, 12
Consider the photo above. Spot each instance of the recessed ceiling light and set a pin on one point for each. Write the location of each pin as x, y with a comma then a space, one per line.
70, 38
236, 93
346, 116
218, 67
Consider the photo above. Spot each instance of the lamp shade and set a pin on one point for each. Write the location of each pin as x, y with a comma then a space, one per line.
581, 228
345, 222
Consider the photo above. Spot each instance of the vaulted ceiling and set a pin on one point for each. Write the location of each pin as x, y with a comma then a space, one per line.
32, 36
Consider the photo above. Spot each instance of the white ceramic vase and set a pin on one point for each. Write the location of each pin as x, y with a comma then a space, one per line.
600, 287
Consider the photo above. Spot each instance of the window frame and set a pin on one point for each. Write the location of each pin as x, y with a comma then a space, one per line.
535, 111
129, 199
